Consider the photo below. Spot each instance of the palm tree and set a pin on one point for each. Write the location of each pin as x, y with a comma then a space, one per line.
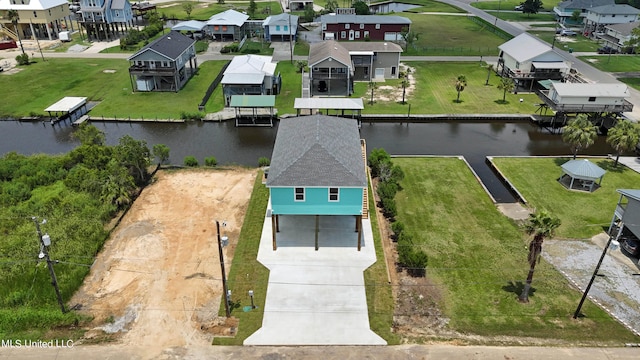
580, 133
15, 17
506, 85
373, 86
624, 136
489, 70
541, 224
461, 82
404, 84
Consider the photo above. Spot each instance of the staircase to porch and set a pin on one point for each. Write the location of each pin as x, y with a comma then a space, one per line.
365, 194
8, 32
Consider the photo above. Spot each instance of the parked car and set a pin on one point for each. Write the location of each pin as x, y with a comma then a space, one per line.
567, 32
607, 50
519, 7
632, 246
322, 86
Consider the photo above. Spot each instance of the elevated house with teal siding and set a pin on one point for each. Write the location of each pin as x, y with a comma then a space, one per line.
317, 168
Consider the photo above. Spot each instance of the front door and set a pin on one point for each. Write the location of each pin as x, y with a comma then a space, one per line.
351, 35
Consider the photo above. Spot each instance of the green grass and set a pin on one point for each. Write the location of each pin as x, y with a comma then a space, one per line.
613, 63
457, 35
432, 6
503, 5
245, 261
478, 261
39, 85
578, 43
261, 46
435, 92
379, 297
291, 89
203, 11
582, 214
301, 48
633, 82
520, 16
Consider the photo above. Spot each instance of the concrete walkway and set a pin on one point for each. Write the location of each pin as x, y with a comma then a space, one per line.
631, 162
316, 297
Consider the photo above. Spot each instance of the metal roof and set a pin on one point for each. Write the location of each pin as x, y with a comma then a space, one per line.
67, 104
118, 4
630, 193
377, 46
584, 4
550, 65
525, 47
329, 49
229, 17
251, 64
614, 9
329, 103
32, 5
191, 25
252, 101
317, 150
363, 19
251, 79
596, 90
281, 19
583, 169
170, 45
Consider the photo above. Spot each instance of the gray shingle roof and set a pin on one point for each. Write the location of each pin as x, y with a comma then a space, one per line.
377, 46
363, 19
625, 28
317, 150
328, 49
615, 9
170, 45
584, 4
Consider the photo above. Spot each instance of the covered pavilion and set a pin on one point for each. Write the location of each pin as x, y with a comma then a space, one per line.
581, 174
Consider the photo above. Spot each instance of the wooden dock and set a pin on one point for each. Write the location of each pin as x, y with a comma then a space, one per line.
81, 120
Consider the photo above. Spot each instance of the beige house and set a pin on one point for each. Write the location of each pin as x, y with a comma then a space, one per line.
374, 59
42, 19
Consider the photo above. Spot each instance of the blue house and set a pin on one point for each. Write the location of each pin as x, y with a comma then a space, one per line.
105, 19
318, 168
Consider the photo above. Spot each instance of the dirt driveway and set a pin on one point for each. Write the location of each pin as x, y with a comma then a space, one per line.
157, 279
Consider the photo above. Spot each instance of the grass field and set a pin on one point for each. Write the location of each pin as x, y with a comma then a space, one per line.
633, 82
292, 88
435, 92
520, 16
41, 84
432, 6
457, 35
203, 11
478, 259
506, 5
583, 214
613, 63
578, 43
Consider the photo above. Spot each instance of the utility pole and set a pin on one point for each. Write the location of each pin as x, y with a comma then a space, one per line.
45, 241
225, 291
290, 38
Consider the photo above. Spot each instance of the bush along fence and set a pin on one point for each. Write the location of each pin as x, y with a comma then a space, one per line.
410, 256
213, 86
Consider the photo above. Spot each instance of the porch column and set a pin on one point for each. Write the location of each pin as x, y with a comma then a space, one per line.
359, 226
33, 31
278, 223
48, 30
317, 225
273, 231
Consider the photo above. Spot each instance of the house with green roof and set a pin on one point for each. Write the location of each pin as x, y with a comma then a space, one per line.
317, 168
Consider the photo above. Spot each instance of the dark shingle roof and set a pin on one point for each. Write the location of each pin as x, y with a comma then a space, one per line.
170, 45
328, 49
317, 150
584, 4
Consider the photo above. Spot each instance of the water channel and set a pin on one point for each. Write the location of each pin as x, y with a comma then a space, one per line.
231, 145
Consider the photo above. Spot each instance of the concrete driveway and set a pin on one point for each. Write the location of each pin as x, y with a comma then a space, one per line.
316, 297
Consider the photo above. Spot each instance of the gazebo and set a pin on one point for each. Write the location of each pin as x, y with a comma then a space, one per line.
581, 174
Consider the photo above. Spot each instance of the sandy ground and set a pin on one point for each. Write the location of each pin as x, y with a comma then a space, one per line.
160, 268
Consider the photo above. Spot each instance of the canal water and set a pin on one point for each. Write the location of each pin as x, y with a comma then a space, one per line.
243, 146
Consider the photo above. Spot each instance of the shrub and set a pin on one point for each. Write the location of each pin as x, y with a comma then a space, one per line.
264, 161
387, 190
389, 208
398, 229
190, 161
377, 158
250, 51
210, 161
191, 116
22, 59
412, 258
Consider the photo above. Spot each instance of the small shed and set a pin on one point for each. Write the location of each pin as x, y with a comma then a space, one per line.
581, 174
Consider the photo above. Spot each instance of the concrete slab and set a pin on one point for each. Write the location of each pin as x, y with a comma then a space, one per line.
316, 297
631, 162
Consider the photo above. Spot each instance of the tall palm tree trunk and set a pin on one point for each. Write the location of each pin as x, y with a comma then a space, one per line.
535, 248
15, 28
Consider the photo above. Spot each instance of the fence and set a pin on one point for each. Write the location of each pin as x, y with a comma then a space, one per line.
490, 27
213, 86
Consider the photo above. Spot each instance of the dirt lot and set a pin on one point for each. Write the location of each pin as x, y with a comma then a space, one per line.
160, 269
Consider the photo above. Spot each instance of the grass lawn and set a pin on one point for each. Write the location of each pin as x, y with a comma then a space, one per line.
633, 82
578, 43
432, 6
301, 48
245, 261
503, 5
457, 35
583, 214
435, 92
478, 261
291, 89
39, 85
203, 11
613, 63
520, 16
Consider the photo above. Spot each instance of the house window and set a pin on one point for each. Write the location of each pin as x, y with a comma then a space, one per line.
117, 14
343, 34
347, 26
224, 27
517, 65
361, 26
357, 34
377, 26
35, 14
286, 28
592, 99
299, 194
366, 34
334, 194
277, 27
393, 70
216, 27
324, 26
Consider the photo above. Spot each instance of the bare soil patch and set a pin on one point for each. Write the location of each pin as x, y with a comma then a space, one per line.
157, 283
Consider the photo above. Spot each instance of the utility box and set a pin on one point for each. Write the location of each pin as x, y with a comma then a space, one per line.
64, 36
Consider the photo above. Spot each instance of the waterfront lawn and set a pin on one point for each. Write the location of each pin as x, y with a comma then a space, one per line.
435, 92
520, 16
203, 11
633, 82
507, 5
457, 35
613, 63
291, 87
432, 6
478, 262
583, 214
578, 43
41, 84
